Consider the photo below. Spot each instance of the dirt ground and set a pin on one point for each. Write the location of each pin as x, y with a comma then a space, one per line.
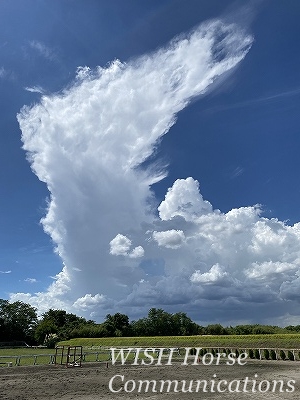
91, 381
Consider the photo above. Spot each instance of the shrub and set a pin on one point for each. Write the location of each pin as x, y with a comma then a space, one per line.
201, 352
266, 354
251, 354
290, 356
282, 355
51, 341
237, 352
256, 354
273, 355
193, 352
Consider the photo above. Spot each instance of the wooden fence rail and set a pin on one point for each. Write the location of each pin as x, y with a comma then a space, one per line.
42, 359
104, 355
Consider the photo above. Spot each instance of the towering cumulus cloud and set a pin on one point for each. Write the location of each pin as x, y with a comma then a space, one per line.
88, 143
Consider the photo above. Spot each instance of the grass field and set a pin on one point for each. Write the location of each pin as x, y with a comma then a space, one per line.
41, 356
29, 356
284, 341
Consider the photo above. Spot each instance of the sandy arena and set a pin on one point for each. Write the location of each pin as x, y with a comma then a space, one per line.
91, 381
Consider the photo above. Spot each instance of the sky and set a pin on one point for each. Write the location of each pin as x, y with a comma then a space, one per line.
149, 158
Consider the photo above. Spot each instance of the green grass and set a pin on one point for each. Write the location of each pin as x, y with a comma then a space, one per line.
284, 341
27, 356
28, 351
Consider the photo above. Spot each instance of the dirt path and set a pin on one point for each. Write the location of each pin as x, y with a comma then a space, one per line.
91, 382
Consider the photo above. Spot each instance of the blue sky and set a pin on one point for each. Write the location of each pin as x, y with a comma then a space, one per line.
166, 179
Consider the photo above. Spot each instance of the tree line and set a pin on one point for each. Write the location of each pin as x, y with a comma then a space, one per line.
19, 322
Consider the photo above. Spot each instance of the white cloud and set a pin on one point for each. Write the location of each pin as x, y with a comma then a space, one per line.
217, 273
89, 302
56, 296
35, 89
184, 200
5, 272
137, 252
43, 50
238, 262
172, 239
30, 280
120, 246
83, 72
88, 143
270, 270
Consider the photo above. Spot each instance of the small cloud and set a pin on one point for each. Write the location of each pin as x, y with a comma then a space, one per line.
43, 50
2, 72
30, 280
35, 89
214, 275
137, 252
5, 272
88, 301
172, 239
184, 199
120, 246
269, 269
6, 74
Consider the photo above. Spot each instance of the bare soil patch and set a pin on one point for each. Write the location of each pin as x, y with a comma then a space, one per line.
91, 381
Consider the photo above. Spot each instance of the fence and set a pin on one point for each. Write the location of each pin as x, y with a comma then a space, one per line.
42, 359
15, 343
104, 355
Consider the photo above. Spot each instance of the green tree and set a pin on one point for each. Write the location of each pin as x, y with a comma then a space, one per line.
140, 327
182, 325
215, 329
43, 330
159, 322
117, 325
61, 323
89, 330
61, 318
242, 330
17, 321
293, 328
